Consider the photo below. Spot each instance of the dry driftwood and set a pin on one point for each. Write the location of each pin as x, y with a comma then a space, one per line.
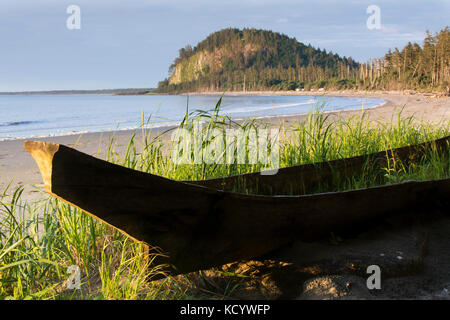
200, 227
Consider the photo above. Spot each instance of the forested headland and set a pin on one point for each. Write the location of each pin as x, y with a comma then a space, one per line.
259, 60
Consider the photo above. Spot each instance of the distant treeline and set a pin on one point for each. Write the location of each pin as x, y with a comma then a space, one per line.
129, 91
252, 60
414, 67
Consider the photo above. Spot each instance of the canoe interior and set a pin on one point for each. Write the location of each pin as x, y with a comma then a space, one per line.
304, 179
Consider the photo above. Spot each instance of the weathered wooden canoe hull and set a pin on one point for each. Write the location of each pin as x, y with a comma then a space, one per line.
199, 227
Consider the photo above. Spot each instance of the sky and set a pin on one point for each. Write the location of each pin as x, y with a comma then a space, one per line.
131, 44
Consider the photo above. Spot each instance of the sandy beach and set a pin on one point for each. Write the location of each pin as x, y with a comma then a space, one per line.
16, 164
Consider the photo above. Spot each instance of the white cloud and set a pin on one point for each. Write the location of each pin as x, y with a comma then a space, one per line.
387, 29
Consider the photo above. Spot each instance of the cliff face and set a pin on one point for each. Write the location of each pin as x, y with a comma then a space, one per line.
205, 62
194, 67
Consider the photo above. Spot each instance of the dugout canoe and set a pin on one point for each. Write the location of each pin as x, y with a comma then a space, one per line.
199, 227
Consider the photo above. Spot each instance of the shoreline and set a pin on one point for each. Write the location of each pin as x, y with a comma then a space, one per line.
17, 164
350, 94
313, 92
242, 93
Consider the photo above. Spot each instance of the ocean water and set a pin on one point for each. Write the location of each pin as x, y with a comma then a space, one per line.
53, 115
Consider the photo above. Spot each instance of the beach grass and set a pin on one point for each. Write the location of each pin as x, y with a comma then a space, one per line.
39, 242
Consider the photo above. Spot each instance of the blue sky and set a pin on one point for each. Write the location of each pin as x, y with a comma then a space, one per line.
130, 44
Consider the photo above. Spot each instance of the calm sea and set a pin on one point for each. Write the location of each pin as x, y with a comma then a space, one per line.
40, 116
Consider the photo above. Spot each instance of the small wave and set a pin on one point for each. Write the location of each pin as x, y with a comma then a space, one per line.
16, 123
74, 132
271, 107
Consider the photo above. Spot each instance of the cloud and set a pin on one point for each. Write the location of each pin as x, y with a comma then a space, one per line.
387, 29
282, 20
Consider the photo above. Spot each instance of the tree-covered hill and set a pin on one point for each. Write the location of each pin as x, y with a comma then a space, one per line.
252, 59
